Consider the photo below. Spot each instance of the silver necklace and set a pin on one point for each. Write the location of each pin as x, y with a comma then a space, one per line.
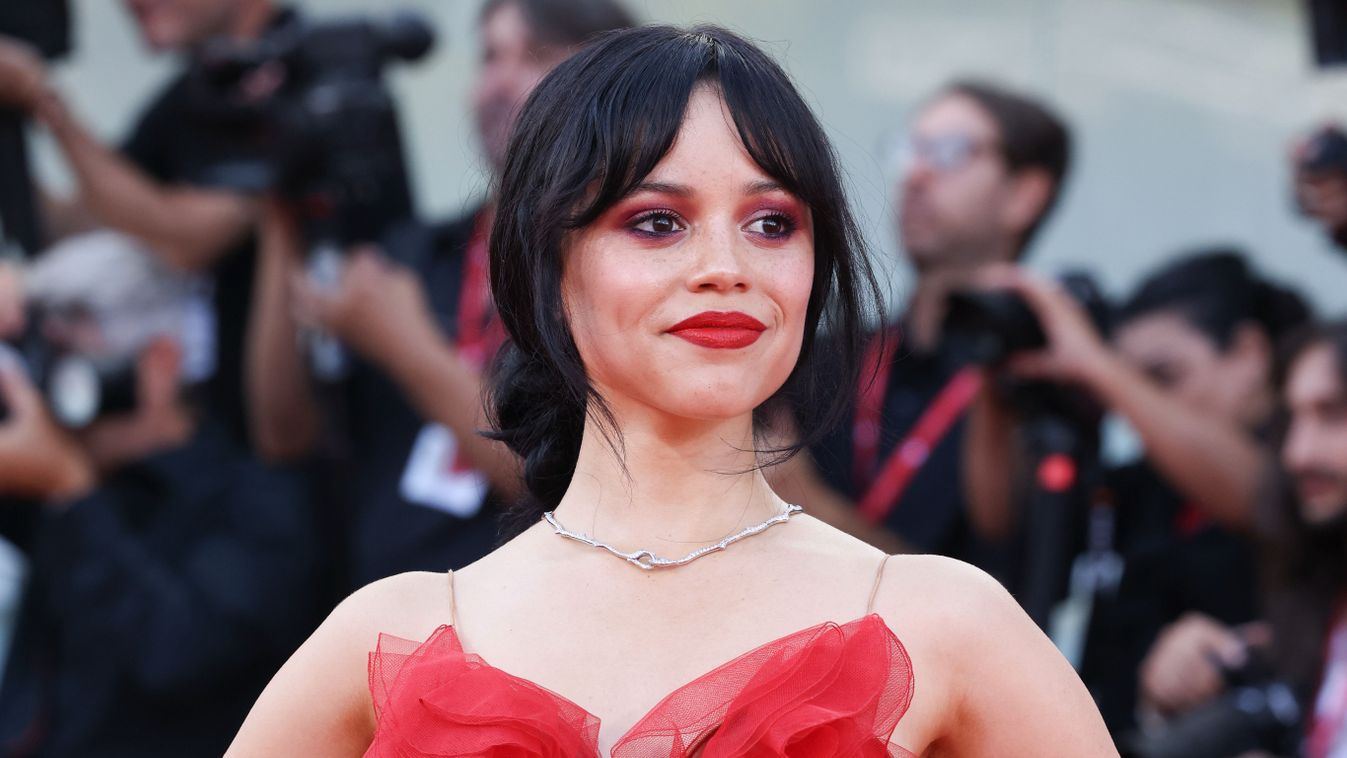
647, 560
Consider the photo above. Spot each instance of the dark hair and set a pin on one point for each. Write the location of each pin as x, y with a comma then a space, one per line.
589, 133
1304, 568
1030, 135
565, 23
1216, 291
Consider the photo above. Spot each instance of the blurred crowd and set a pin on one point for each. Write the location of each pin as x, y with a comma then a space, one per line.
239, 378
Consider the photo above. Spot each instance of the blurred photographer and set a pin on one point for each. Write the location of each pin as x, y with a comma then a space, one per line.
417, 315
154, 185
982, 168
1189, 367
1319, 175
169, 574
1192, 677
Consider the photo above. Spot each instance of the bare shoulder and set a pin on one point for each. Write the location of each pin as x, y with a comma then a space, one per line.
951, 612
408, 605
951, 589
992, 677
319, 702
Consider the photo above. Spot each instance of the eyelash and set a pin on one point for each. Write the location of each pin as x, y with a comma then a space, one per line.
787, 223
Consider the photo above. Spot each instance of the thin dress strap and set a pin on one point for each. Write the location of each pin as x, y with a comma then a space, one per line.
874, 590
453, 611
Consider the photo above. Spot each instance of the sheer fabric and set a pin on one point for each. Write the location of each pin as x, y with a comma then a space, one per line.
830, 690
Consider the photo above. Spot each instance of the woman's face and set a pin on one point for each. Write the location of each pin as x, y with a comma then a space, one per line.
688, 297
1189, 364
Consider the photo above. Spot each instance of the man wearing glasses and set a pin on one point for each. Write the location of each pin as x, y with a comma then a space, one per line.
980, 169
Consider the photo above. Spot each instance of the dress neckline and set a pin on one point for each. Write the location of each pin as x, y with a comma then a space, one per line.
871, 617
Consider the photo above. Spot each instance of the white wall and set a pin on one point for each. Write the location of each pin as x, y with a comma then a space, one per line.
1183, 109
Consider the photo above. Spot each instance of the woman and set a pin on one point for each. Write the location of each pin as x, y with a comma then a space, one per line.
1190, 367
671, 232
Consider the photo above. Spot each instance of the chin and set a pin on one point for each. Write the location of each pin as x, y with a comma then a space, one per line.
1323, 511
713, 401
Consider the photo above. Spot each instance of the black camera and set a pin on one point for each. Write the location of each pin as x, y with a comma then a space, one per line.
1257, 713
987, 327
304, 112
77, 389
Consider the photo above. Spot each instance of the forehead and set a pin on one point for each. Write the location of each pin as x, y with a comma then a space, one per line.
954, 114
506, 23
1161, 331
707, 148
1314, 378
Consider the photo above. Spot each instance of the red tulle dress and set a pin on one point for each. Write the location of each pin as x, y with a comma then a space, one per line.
829, 690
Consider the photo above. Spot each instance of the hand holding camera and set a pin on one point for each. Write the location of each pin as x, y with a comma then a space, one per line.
1072, 348
38, 458
377, 309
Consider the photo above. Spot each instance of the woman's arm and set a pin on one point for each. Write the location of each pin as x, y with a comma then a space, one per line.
995, 685
319, 702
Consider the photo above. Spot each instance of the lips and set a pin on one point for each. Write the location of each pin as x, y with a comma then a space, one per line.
720, 330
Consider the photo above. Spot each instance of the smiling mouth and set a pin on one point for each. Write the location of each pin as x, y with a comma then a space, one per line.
720, 330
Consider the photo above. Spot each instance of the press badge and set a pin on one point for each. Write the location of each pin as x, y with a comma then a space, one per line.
438, 477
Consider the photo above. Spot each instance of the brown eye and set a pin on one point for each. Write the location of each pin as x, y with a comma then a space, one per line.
658, 224
772, 226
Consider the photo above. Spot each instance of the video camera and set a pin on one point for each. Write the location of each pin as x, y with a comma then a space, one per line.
309, 117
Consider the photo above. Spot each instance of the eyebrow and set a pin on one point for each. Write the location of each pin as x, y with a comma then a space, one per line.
760, 187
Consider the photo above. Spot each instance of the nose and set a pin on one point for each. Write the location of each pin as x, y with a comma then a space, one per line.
718, 262
918, 174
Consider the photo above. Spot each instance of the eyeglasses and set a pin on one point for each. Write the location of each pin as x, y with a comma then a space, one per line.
943, 153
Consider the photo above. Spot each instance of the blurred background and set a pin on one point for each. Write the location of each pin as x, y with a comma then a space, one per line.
241, 373
1183, 112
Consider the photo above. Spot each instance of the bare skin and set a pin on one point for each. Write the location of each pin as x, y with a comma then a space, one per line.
580, 622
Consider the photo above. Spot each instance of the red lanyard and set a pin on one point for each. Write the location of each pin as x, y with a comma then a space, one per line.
886, 488
480, 333
1327, 723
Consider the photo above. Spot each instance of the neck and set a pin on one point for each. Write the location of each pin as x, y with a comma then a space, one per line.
929, 302
672, 486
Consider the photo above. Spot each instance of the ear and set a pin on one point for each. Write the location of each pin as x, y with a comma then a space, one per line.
1030, 191
158, 373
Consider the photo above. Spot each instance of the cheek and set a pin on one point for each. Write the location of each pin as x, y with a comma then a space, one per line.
608, 298
789, 283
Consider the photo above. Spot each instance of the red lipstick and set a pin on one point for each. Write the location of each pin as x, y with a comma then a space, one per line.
720, 330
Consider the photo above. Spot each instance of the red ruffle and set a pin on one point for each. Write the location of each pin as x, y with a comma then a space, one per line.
829, 690
432, 700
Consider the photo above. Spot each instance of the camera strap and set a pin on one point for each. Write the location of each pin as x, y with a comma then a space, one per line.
894, 476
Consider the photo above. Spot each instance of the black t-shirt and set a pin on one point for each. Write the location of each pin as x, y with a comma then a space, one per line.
174, 145
930, 515
388, 532
181, 138
1174, 561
